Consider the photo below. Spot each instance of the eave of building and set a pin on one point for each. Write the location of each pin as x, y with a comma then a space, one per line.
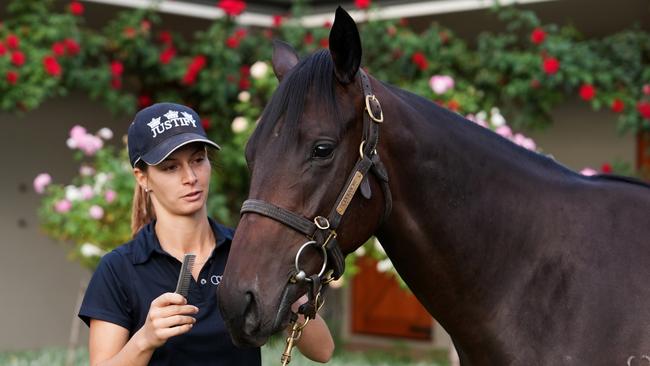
404, 9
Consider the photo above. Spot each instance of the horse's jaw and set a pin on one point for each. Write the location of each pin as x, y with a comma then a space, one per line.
248, 326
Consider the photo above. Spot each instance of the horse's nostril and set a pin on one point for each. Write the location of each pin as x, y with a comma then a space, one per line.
251, 316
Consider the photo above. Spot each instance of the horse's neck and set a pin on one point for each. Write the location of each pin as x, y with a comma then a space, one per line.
461, 203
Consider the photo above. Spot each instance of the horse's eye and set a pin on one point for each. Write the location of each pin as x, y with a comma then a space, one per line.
323, 150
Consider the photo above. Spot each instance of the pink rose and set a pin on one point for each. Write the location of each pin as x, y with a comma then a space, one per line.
86, 192
504, 131
77, 132
110, 196
96, 212
62, 206
588, 171
440, 84
41, 181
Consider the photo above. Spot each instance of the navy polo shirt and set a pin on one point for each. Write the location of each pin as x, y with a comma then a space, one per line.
130, 277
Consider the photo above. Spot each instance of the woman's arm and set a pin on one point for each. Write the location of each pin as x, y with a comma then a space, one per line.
316, 342
109, 344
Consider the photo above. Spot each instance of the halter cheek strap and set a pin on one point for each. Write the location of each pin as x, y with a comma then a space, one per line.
322, 230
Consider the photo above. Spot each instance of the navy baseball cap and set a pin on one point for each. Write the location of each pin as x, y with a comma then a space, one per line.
160, 129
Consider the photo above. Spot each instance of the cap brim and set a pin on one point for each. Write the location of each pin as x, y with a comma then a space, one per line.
162, 151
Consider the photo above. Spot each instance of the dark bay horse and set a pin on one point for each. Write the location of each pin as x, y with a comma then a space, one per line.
521, 260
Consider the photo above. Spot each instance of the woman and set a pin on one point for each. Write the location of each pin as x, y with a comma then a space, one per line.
133, 314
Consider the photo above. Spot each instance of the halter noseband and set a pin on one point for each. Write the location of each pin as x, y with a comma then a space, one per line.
321, 231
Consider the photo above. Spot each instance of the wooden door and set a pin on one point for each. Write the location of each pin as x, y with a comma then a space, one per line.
381, 307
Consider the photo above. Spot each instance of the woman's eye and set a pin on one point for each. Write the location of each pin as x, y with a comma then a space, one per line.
168, 168
322, 151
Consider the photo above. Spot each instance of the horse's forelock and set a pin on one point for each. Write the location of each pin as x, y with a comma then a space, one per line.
313, 77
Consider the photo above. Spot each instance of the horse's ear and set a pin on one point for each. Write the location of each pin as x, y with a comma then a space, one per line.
345, 46
284, 58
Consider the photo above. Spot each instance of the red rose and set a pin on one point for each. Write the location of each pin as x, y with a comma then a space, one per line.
145, 25
58, 48
116, 82
420, 60
551, 65
309, 38
12, 77
198, 63
144, 101
240, 33
537, 36
76, 8
129, 32
189, 78
327, 24
232, 7
277, 20
167, 55
3, 49
51, 66
644, 109
606, 168
362, 4
245, 70
244, 83
17, 58
232, 42
205, 122
12, 42
324, 42
71, 46
587, 92
646, 89
117, 68
453, 105
165, 37
617, 105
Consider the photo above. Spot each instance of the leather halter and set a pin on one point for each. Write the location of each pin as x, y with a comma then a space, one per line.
321, 230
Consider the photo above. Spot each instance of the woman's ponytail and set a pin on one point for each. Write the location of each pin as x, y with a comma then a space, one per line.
142, 211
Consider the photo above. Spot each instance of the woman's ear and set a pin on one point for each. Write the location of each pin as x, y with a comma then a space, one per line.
141, 178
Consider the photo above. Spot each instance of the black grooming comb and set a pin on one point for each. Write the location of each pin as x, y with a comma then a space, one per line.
183, 285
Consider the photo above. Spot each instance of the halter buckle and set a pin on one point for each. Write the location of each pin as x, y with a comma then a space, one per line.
321, 222
372, 98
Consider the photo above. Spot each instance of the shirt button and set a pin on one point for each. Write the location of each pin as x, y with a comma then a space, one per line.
203, 281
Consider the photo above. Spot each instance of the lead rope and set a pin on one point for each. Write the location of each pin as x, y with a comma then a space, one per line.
296, 332
309, 310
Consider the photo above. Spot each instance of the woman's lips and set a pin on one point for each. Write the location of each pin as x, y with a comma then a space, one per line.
194, 196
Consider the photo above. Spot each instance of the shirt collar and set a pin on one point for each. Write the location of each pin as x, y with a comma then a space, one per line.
146, 242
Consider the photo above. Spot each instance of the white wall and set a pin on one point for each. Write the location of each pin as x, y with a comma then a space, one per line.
580, 137
38, 285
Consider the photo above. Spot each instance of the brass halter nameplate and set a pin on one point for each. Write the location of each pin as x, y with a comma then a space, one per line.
349, 193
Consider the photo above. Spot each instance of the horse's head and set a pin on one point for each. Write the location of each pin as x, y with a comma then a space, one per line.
309, 170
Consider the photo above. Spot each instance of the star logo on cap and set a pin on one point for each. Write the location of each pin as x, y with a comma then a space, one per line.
189, 117
154, 123
171, 115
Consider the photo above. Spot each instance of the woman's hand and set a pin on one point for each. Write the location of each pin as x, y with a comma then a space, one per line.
316, 342
169, 315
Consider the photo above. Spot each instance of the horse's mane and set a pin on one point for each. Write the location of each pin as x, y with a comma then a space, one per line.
424, 104
312, 74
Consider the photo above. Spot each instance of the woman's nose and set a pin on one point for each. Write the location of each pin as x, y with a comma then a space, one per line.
188, 175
